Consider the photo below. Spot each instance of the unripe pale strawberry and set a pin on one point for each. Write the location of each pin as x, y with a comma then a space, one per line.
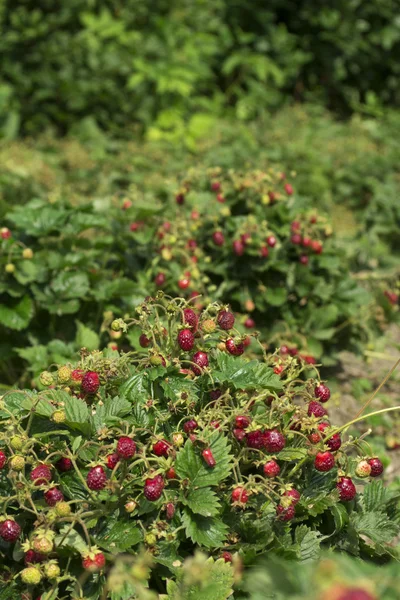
363, 469
208, 326
130, 506
46, 378
42, 544
17, 463
63, 509
17, 442
59, 416
64, 374
52, 570
31, 576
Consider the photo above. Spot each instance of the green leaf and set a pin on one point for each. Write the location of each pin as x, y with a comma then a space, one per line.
321, 503
376, 526
309, 544
86, 338
121, 536
69, 538
203, 501
245, 375
374, 496
19, 316
209, 532
109, 412
77, 414
340, 516
190, 464
276, 296
292, 454
214, 582
68, 285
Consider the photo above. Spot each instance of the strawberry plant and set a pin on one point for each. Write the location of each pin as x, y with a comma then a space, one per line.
173, 449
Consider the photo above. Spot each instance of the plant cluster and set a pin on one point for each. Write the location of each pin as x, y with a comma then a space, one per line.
182, 445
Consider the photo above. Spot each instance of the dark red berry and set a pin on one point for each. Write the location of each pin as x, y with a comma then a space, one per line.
238, 247
242, 422
190, 426
215, 186
227, 556
306, 241
208, 457
264, 252
94, 564
296, 238
249, 323
41, 475
160, 279
226, 319
218, 238
271, 469
234, 349
32, 558
304, 259
215, 394
239, 494
293, 494
144, 341
153, 488
288, 189
322, 392
170, 510
3, 459
161, 448
112, 460
255, 439
347, 489
184, 283
190, 318
295, 226
96, 479
324, 461
52, 496
201, 360
126, 447
90, 383
285, 513
273, 441
64, 464
10, 530
316, 409
334, 442
376, 467
180, 199
271, 241
186, 339
171, 473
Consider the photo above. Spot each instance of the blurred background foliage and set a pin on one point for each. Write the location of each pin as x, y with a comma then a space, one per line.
171, 66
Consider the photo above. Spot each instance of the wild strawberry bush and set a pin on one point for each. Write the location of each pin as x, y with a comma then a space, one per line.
183, 445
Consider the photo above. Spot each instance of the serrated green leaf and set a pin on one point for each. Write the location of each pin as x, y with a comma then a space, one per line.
214, 583
77, 414
69, 538
174, 386
321, 503
374, 496
209, 532
121, 536
292, 454
86, 338
19, 316
112, 410
69, 285
309, 543
190, 465
376, 526
203, 502
240, 374
340, 516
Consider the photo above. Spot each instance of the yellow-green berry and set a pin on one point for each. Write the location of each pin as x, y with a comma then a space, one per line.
31, 576
46, 378
59, 416
17, 463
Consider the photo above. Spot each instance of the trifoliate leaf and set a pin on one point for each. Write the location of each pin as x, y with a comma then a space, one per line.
190, 464
202, 501
209, 532
214, 582
309, 543
376, 526
77, 414
240, 374
120, 536
69, 538
112, 409
374, 496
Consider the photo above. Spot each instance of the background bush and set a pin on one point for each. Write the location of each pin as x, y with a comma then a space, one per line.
167, 64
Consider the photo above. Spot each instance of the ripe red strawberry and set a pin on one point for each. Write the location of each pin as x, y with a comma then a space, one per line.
153, 488
376, 467
239, 494
220, 198
215, 186
180, 199
144, 341
3, 459
304, 259
112, 460
306, 241
201, 360
353, 594
271, 241
285, 513
184, 283
234, 349
218, 238
316, 246
126, 447
171, 473
77, 375
273, 441
96, 479
293, 494
264, 252
186, 339
316, 409
208, 457
160, 279
10, 530
5, 233
255, 439
227, 556
295, 226
271, 469
90, 383
249, 323
64, 464
278, 369
161, 448
190, 319
190, 426
310, 360
226, 319
136, 225
170, 510
324, 461
288, 189
41, 474
215, 424
192, 244
242, 422
334, 442
215, 394
238, 247
32, 558
392, 297
52, 496
296, 239
347, 489
239, 434
322, 392
94, 562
